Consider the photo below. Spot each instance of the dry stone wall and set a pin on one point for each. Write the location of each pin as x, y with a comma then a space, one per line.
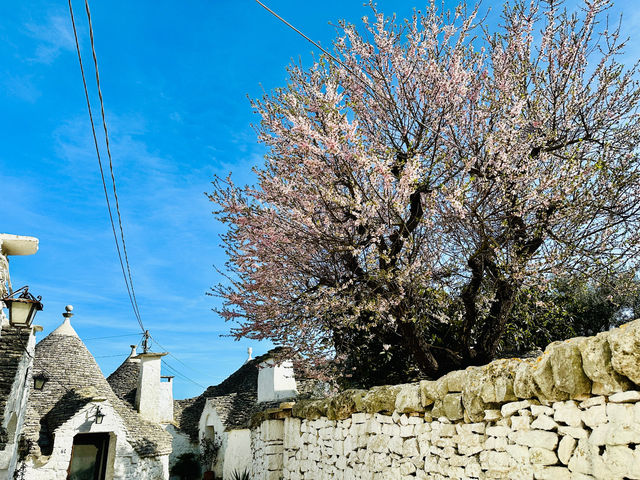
572, 413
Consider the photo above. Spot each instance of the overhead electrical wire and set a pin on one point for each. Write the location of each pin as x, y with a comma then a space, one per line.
126, 273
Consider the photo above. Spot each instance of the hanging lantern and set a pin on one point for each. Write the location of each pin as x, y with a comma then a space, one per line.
22, 309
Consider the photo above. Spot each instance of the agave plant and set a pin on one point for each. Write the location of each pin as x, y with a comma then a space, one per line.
240, 475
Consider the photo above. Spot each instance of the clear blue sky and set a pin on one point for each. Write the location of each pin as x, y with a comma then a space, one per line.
175, 77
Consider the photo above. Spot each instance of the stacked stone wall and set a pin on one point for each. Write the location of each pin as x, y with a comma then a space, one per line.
572, 413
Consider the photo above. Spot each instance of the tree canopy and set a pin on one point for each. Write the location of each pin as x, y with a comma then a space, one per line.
425, 176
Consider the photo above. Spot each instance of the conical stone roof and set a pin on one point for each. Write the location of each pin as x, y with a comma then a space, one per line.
124, 380
75, 379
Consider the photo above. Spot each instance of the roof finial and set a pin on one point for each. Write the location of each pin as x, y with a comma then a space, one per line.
68, 314
133, 350
249, 351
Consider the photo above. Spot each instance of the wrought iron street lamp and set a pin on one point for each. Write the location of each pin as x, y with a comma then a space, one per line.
39, 381
22, 309
99, 415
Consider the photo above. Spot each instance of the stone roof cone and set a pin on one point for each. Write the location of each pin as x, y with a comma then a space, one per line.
75, 379
124, 380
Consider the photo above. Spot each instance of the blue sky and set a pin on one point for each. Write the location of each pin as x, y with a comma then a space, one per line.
175, 78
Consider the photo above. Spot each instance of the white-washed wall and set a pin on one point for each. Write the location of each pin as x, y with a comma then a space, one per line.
539, 419
123, 461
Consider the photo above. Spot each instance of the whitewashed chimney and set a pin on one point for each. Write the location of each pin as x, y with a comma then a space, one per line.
276, 381
152, 396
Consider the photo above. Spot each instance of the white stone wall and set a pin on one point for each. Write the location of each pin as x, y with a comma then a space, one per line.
123, 461
595, 438
276, 381
573, 413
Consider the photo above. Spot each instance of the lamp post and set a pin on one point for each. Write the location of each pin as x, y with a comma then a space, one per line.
22, 309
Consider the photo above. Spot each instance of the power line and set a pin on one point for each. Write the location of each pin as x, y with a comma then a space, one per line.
324, 50
113, 336
127, 278
172, 355
181, 375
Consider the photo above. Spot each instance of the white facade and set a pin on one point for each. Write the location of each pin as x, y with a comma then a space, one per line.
123, 463
276, 381
235, 445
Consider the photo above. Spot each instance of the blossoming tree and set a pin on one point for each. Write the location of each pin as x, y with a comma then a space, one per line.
428, 172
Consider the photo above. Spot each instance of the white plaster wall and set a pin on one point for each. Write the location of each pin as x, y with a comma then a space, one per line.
210, 418
276, 381
16, 407
180, 444
166, 401
237, 452
123, 462
148, 395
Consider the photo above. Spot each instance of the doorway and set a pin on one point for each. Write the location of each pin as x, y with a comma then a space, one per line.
89, 457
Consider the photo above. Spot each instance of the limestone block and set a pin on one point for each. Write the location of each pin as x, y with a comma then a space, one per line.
543, 422
535, 438
395, 444
359, 417
455, 380
631, 396
379, 399
620, 413
498, 431
593, 401
565, 449
437, 410
582, 459
542, 373
407, 468
410, 448
408, 399
593, 416
271, 430
510, 408
452, 406
618, 459
553, 473
542, 456
625, 350
472, 401
567, 412
575, 432
391, 429
496, 463
407, 431
492, 415
519, 453
521, 422
537, 410
596, 362
524, 386
498, 379
431, 390
379, 443
292, 433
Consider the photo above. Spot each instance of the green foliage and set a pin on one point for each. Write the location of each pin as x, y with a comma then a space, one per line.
240, 475
187, 467
209, 449
568, 309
